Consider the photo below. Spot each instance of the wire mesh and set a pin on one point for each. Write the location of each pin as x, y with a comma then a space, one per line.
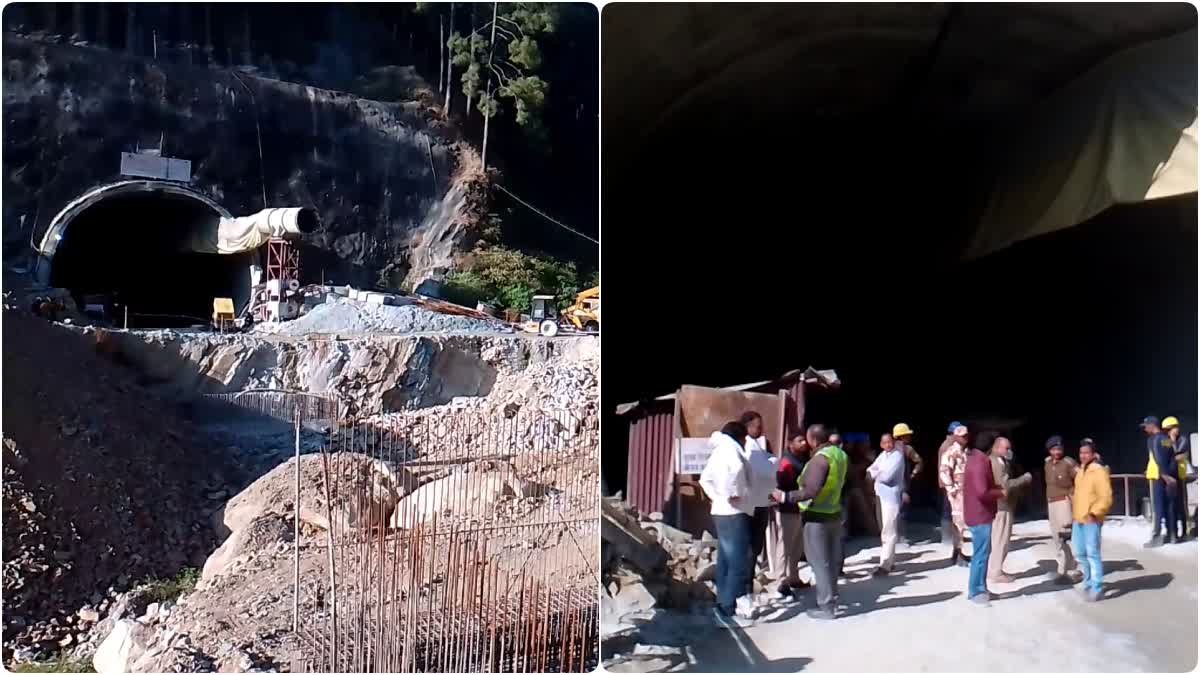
453, 541
284, 405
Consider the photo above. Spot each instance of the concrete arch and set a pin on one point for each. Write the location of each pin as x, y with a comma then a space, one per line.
131, 245
62, 220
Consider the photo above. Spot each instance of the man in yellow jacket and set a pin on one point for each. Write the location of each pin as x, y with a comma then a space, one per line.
1089, 505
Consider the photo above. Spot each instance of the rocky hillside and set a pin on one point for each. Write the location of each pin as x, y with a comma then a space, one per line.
374, 374
397, 192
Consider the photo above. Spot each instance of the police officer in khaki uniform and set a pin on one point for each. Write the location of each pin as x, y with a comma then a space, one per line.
1060, 483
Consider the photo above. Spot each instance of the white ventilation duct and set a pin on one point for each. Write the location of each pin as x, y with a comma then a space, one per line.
238, 235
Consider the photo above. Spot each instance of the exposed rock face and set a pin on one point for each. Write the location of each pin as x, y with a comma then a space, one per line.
371, 374
397, 193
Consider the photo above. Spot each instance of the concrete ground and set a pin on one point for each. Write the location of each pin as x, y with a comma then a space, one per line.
919, 620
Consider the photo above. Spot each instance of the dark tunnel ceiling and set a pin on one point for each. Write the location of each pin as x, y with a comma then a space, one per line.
966, 62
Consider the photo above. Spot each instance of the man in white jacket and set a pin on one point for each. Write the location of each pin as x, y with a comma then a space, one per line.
888, 473
728, 480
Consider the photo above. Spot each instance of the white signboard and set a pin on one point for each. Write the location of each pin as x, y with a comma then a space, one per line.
693, 454
153, 166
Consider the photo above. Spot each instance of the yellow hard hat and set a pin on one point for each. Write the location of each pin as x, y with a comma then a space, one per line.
901, 429
1170, 422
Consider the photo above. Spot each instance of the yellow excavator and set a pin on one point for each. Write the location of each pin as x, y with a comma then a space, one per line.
584, 315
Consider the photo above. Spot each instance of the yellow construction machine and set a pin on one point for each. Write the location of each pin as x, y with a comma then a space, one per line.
584, 315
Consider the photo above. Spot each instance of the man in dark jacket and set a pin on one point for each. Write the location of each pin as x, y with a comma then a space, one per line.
789, 546
980, 497
1163, 482
819, 496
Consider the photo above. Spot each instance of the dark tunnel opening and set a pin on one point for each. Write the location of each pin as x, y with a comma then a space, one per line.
128, 251
776, 238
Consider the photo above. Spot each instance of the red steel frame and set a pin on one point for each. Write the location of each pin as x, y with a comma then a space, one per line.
283, 260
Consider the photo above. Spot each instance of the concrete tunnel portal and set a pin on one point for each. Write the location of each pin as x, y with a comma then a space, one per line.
126, 242
161, 250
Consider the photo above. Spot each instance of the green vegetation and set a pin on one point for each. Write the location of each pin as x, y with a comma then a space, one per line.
508, 279
159, 590
60, 664
501, 56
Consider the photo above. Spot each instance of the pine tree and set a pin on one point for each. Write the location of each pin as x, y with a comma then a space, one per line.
501, 59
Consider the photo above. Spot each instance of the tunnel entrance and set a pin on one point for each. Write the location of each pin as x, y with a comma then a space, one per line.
126, 249
816, 190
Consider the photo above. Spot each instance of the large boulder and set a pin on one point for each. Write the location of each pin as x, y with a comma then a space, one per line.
365, 491
472, 490
123, 647
260, 534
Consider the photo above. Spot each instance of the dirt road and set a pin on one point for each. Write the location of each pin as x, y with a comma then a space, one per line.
919, 620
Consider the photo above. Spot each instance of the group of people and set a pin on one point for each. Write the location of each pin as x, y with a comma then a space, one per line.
792, 507
797, 494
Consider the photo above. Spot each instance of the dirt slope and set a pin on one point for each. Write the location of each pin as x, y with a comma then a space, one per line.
102, 486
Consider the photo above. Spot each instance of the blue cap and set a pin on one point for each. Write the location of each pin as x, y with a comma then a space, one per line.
1150, 421
953, 426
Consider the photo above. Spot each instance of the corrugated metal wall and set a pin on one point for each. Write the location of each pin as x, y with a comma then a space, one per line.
651, 472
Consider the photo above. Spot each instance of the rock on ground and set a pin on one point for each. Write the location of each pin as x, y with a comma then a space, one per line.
369, 491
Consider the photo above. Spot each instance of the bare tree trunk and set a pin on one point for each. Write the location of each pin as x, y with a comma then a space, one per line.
441, 61
487, 116
449, 66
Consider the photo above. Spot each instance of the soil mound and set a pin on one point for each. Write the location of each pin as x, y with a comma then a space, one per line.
102, 484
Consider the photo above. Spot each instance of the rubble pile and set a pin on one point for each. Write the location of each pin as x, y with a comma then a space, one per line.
343, 315
647, 567
102, 483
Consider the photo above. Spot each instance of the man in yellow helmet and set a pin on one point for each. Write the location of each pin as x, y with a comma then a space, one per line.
819, 496
902, 435
1183, 452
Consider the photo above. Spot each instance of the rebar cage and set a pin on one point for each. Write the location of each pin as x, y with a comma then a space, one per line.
435, 541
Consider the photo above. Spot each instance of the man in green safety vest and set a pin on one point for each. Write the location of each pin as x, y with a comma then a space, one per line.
819, 496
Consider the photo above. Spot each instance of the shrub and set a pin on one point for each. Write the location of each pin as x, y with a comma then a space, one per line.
509, 279
160, 590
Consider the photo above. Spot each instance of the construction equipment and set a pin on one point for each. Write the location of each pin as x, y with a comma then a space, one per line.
543, 316
545, 319
223, 313
585, 313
